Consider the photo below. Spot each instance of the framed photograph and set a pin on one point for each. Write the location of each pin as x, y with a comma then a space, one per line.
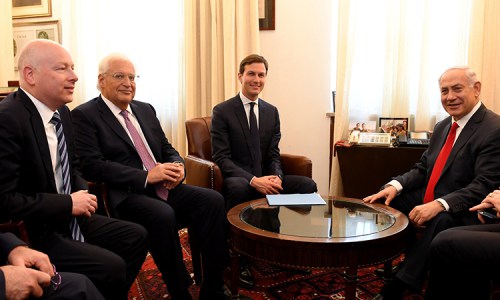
362, 126
394, 126
266, 14
31, 8
25, 32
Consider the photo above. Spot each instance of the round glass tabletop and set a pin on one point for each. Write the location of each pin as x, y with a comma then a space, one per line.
336, 219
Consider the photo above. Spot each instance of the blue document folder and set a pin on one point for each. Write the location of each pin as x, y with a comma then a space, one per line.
295, 199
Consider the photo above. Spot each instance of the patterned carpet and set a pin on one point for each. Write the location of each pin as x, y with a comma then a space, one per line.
271, 283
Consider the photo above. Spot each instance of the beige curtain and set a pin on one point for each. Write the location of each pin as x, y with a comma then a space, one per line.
484, 49
475, 42
218, 33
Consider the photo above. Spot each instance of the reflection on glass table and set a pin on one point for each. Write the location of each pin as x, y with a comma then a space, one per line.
336, 219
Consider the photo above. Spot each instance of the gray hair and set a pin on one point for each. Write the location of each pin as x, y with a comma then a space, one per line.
469, 73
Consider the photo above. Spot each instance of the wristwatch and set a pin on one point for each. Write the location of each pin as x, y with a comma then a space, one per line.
280, 177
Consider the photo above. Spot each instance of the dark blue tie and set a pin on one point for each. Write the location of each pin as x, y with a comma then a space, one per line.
255, 142
64, 162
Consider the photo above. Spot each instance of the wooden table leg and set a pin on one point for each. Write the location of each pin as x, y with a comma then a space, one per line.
235, 273
351, 278
388, 270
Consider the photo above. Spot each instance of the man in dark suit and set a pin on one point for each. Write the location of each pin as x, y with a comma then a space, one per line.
466, 258
121, 143
249, 158
438, 191
41, 184
29, 273
250, 171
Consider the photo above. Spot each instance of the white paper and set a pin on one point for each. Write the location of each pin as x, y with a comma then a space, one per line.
295, 199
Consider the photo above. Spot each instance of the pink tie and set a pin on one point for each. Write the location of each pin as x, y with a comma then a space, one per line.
440, 162
146, 158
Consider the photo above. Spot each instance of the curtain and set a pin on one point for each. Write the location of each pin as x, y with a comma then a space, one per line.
391, 54
149, 33
219, 34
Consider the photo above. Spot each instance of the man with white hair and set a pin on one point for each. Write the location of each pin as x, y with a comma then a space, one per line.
40, 182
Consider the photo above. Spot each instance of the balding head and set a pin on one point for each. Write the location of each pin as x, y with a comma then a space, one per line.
46, 72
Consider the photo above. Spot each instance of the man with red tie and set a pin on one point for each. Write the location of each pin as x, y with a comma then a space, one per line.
456, 172
121, 143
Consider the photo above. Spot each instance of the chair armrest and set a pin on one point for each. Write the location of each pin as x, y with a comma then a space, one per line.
100, 191
16, 227
296, 165
203, 173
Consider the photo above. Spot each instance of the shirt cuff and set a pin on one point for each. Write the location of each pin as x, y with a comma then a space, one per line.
395, 184
445, 205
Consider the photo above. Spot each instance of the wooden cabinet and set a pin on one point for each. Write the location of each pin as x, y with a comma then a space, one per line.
364, 169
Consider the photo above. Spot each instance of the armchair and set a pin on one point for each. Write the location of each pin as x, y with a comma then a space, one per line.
202, 171
16, 227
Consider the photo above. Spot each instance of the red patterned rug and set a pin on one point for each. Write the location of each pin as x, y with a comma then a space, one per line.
271, 283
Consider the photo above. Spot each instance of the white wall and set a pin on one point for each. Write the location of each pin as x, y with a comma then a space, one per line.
298, 52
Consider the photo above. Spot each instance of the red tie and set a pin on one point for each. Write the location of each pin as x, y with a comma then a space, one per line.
440, 162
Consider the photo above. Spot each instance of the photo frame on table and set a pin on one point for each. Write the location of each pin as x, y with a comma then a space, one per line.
395, 126
31, 8
362, 126
266, 14
25, 32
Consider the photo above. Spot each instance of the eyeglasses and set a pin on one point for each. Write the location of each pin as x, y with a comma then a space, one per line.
55, 281
121, 77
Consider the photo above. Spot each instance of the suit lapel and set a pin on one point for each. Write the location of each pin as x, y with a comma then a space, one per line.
465, 135
40, 136
110, 119
143, 119
242, 118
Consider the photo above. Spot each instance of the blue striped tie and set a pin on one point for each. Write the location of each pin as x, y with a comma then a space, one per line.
63, 155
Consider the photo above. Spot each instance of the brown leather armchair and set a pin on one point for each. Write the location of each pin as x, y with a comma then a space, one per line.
16, 227
202, 171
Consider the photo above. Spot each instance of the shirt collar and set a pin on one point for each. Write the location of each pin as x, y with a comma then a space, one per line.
245, 100
45, 112
115, 109
463, 121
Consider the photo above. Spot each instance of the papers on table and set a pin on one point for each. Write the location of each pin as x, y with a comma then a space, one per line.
295, 199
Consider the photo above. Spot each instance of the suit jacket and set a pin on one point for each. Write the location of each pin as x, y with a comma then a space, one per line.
473, 167
27, 185
108, 154
8, 241
230, 135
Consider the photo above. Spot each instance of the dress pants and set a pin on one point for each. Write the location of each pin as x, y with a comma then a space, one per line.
199, 209
73, 286
413, 270
463, 261
237, 189
111, 256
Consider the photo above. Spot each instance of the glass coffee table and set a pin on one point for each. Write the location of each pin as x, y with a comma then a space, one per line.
345, 233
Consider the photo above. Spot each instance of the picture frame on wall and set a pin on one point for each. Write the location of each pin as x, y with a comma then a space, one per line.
31, 8
266, 14
26, 32
394, 126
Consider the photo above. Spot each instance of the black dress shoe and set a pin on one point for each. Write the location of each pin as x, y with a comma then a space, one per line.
393, 290
380, 272
214, 293
246, 278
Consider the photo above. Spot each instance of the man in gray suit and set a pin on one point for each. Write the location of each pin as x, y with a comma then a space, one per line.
245, 136
437, 200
